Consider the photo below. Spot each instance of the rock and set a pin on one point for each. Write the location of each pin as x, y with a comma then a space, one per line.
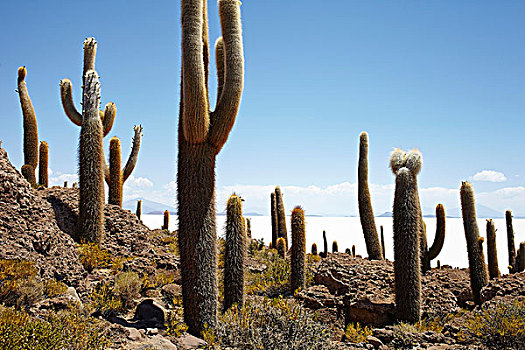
371, 311
188, 341
374, 341
150, 313
134, 334
385, 335
152, 331
172, 290
73, 293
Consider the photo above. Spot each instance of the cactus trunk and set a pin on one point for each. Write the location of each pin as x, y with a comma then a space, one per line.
281, 216
325, 245
477, 268
520, 263
29, 174
335, 248
138, 212
383, 249
314, 249
30, 125
510, 241
298, 263
281, 247
273, 212
115, 183
492, 252
366, 214
43, 164
166, 224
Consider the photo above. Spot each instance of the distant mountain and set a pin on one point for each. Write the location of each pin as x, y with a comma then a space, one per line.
149, 207
245, 214
481, 211
386, 214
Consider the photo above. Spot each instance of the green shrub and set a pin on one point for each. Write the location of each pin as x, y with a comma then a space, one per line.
102, 300
66, 330
269, 324
92, 256
18, 285
274, 279
499, 326
53, 288
355, 333
127, 288
175, 325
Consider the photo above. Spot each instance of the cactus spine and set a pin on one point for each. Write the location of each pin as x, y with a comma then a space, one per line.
366, 214
273, 212
335, 248
510, 242
281, 216
281, 247
234, 254
407, 226
298, 263
199, 143
43, 155
115, 177
166, 224
29, 174
138, 212
30, 125
492, 252
477, 268
314, 249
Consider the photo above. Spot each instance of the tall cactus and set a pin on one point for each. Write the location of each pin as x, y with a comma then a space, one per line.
273, 212
429, 254
298, 263
201, 135
366, 214
520, 263
510, 242
30, 125
43, 156
281, 216
114, 176
478, 270
407, 226
492, 252
234, 254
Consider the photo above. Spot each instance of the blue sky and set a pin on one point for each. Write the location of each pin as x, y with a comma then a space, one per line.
444, 76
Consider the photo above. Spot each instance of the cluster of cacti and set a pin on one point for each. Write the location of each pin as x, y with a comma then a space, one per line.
366, 214
201, 135
281, 216
478, 270
43, 164
94, 125
273, 215
281, 247
492, 253
298, 262
30, 128
407, 226
166, 224
427, 255
114, 176
335, 248
234, 254
138, 212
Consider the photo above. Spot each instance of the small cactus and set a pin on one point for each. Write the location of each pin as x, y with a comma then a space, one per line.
29, 174
314, 249
298, 262
348, 251
65, 184
281, 216
248, 228
166, 224
138, 212
335, 249
510, 242
521, 258
366, 214
281, 247
43, 164
407, 228
273, 212
353, 251
325, 245
234, 254
477, 268
492, 252
30, 125
383, 249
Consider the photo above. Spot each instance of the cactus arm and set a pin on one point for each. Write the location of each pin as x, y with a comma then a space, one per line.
228, 104
90, 53
205, 47
30, 125
66, 96
195, 114
219, 62
439, 239
108, 117
134, 155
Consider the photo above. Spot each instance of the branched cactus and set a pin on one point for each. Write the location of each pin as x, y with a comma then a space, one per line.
281, 216
407, 227
427, 255
335, 248
273, 212
30, 125
478, 270
281, 247
166, 223
29, 174
115, 177
43, 155
314, 249
492, 252
138, 212
366, 214
298, 263
234, 254
510, 242
201, 135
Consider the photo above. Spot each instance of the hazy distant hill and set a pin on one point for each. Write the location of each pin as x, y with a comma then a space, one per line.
149, 207
481, 211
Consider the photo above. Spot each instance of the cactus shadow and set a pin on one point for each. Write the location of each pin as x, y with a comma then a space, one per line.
65, 216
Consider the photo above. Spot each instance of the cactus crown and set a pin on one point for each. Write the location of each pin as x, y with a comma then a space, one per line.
413, 160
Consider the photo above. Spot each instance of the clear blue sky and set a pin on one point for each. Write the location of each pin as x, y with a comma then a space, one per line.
447, 77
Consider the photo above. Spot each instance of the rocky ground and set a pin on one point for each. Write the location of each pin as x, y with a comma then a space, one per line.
37, 225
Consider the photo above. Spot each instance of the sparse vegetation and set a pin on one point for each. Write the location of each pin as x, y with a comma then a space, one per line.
127, 288
92, 256
355, 333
